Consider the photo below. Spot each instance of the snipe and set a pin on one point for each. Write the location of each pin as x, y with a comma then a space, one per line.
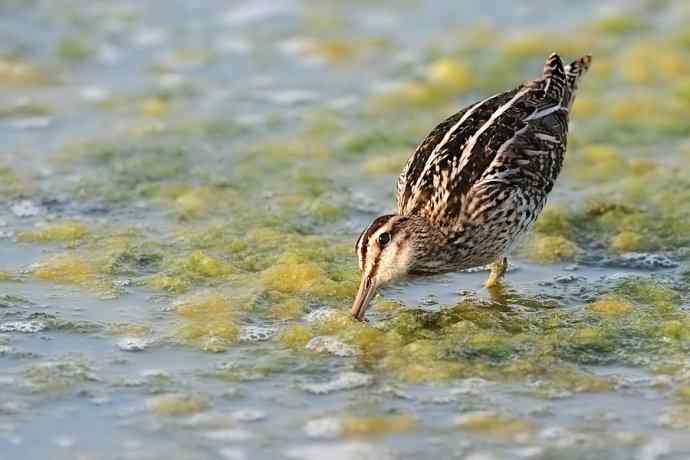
474, 186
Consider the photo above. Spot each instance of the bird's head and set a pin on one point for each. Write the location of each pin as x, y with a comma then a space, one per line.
390, 249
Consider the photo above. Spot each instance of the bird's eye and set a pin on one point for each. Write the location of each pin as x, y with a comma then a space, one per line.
384, 239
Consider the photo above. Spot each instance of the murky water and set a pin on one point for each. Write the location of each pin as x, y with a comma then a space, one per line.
182, 184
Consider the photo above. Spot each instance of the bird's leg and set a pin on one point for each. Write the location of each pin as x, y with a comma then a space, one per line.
498, 269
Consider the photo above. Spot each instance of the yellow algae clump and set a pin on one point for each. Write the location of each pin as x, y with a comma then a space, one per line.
11, 184
386, 305
175, 404
684, 392
293, 277
208, 321
579, 382
376, 426
335, 51
63, 231
297, 336
128, 330
591, 338
16, 73
202, 265
418, 362
649, 292
675, 329
554, 221
610, 306
66, 268
372, 343
194, 203
492, 425
154, 107
450, 74
627, 241
287, 309
340, 290
487, 344
4, 277
551, 249
429, 372
174, 284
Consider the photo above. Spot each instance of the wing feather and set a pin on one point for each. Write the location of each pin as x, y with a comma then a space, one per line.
486, 138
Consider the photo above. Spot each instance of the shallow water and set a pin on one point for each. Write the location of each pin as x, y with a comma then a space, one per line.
182, 184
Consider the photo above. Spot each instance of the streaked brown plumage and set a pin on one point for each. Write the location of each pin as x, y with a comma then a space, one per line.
475, 185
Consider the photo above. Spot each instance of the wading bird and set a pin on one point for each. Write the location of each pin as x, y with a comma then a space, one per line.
474, 186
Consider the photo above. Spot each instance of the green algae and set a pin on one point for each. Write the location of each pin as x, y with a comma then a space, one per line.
66, 269
208, 320
122, 170
26, 110
313, 270
551, 249
155, 107
17, 73
294, 270
176, 404
357, 427
627, 241
200, 264
7, 277
554, 220
11, 184
67, 231
173, 284
179, 274
58, 377
649, 292
610, 306
495, 426
473, 340
73, 49
195, 202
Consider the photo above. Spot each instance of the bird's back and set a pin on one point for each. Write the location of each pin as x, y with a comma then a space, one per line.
516, 138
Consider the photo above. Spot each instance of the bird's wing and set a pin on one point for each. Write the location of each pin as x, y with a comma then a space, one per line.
457, 153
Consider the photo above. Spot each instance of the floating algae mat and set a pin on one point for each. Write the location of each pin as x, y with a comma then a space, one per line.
182, 186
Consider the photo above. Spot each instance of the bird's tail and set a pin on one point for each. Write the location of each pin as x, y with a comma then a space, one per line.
555, 78
577, 69
574, 71
560, 82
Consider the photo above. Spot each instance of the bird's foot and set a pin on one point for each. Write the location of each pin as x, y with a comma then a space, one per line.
498, 269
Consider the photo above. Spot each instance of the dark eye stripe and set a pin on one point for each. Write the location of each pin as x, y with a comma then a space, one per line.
360, 250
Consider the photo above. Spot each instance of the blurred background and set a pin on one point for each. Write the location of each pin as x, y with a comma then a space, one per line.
182, 184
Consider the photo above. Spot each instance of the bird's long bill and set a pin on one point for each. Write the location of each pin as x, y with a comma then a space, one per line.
366, 291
